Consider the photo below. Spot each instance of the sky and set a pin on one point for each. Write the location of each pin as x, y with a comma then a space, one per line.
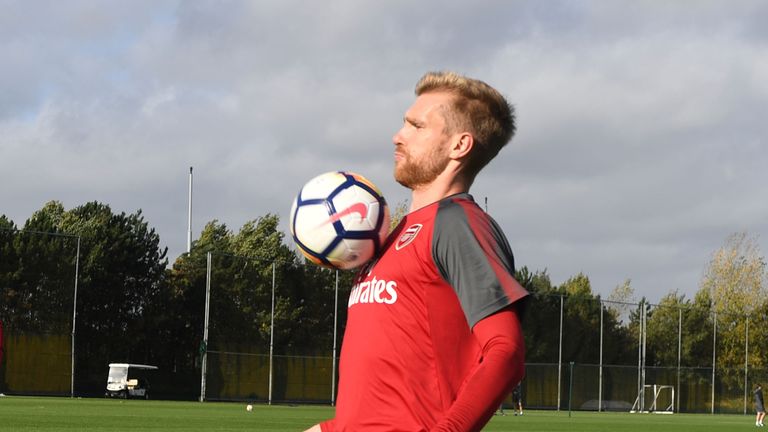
642, 125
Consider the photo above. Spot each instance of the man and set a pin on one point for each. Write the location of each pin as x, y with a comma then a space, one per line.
759, 405
517, 399
435, 354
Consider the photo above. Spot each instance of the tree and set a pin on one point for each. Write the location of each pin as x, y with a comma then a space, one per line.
620, 300
9, 262
662, 328
41, 281
581, 322
122, 277
185, 297
244, 287
397, 214
542, 310
735, 279
697, 335
241, 292
304, 294
736, 275
122, 270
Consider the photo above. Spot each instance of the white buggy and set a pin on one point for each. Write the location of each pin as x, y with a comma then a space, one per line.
126, 380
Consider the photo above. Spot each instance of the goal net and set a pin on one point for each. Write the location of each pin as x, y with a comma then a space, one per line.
655, 398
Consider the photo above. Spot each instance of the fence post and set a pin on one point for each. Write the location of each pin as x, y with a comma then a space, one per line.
272, 333
570, 390
714, 348
600, 375
640, 390
679, 352
746, 361
74, 319
560, 355
645, 343
335, 319
204, 344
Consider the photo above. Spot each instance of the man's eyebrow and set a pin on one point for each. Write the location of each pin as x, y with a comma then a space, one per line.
413, 121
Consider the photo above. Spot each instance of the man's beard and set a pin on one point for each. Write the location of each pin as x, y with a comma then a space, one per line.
414, 173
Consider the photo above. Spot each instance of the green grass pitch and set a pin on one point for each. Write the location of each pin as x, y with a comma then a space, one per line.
65, 414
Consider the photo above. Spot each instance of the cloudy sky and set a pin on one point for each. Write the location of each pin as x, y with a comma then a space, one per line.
642, 124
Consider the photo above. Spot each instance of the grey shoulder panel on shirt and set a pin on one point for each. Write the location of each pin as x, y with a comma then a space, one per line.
468, 253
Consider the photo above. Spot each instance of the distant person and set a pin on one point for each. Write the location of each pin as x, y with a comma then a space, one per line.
517, 398
759, 405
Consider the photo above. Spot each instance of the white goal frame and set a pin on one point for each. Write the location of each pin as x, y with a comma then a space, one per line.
640, 403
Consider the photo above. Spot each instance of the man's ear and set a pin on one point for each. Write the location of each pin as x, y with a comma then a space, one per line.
462, 145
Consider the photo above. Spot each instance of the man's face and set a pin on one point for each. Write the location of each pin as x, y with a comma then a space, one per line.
421, 145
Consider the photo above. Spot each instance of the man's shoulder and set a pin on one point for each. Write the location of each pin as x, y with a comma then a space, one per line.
462, 199
457, 208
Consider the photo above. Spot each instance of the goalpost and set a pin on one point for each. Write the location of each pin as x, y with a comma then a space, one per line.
659, 393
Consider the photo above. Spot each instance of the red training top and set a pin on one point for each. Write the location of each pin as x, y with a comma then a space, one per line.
431, 312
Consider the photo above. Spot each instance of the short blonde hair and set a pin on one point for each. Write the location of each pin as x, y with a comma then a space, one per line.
478, 109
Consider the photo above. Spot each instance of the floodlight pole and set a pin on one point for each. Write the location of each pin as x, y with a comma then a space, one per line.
74, 320
189, 215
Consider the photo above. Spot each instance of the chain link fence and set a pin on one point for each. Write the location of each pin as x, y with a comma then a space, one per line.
259, 344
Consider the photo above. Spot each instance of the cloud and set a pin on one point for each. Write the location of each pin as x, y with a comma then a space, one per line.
641, 140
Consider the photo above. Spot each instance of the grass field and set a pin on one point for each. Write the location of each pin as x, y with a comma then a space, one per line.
64, 414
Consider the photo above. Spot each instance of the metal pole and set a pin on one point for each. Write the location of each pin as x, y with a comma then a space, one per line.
560, 355
204, 347
679, 351
746, 361
74, 319
335, 318
714, 346
600, 377
570, 391
272, 334
645, 336
640, 357
189, 214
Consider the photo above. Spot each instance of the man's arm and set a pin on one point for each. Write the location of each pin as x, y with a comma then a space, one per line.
503, 356
326, 426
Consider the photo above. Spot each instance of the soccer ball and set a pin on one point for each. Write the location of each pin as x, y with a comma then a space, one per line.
249, 407
339, 220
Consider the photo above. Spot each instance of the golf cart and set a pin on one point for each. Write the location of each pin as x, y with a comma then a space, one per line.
126, 380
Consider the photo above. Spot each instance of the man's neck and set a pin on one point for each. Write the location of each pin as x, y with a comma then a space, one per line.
441, 187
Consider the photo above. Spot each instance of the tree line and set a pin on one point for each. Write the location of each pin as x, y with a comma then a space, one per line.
132, 306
